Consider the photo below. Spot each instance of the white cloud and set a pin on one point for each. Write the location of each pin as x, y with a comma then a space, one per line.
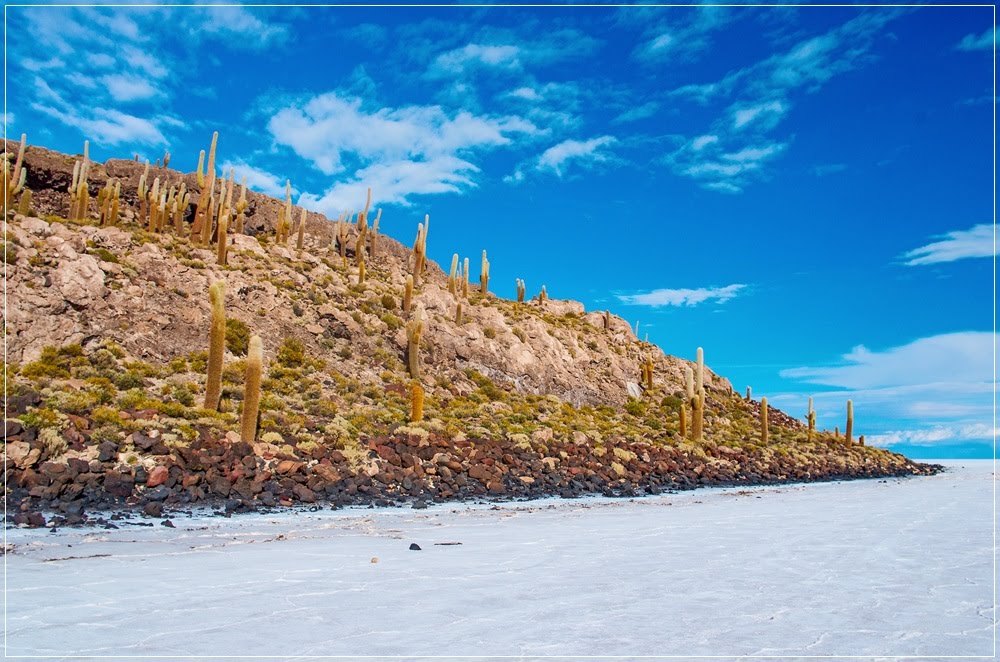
257, 179
682, 297
637, 113
828, 169
328, 127
399, 152
956, 245
982, 42
761, 94
936, 434
951, 357
110, 127
766, 113
934, 389
395, 183
237, 26
475, 56
127, 87
557, 157
701, 142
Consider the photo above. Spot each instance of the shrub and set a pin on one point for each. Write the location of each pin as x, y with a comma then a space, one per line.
292, 353
237, 336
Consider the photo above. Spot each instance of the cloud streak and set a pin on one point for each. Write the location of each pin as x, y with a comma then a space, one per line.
682, 297
956, 245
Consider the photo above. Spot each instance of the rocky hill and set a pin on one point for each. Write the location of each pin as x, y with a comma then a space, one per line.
107, 332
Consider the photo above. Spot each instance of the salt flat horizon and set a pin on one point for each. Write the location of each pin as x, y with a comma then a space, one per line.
880, 567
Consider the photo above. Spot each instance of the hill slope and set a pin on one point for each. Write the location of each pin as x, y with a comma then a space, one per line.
107, 332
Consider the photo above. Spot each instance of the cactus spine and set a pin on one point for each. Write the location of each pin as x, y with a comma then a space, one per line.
484, 276
414, 329
416, 402
811, 420
763, 420
698, 415
520, 290
453, 276
408, 293
848, 431
251, 390
216, 344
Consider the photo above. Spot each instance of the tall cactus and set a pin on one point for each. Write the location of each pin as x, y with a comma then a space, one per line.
811, 420
216, 344
520, 290
241, 207
374, 241
682, 420
458, 312
699, 377
763, 420
749, 395
414, 330
849, 430
484, 276
420, 250
542, 296
453, 276
648, 373
465, 278
607, 320
698, 415
300, 240
14, 179
416, 402
251, 390
222, 246
407, 293
203, 212
688, 382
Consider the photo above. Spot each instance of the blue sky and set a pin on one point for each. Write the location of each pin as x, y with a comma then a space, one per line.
806, 192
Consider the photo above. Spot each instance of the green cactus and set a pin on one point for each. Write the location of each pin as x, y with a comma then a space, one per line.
414, 330
251, 390
484, 276
698, 415
848, 431
763, 420
216, 344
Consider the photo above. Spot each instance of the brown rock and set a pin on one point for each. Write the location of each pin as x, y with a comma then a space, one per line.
157, 476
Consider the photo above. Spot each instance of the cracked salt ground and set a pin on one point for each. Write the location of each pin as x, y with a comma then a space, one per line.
872, 568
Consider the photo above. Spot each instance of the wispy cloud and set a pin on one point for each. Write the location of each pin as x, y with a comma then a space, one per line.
117, 54
669, 34
963, 356
825, 169
682, 297
956, 245
941, 385
760, 98
981, 42
479, 56
637, 113
586, 152
933, 435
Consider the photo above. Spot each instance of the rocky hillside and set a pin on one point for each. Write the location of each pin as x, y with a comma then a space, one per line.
107, 335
